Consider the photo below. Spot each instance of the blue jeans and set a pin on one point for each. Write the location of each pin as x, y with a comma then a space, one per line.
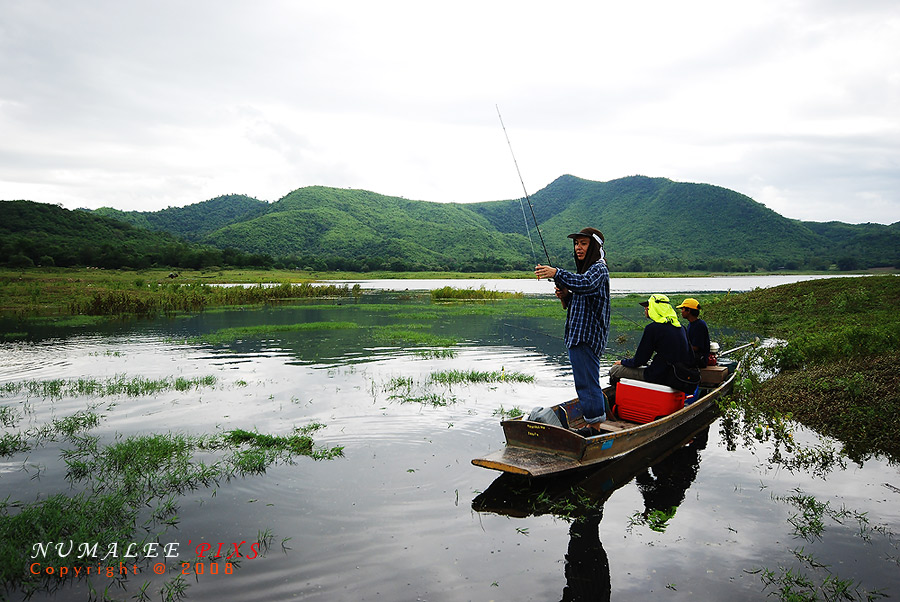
586, 373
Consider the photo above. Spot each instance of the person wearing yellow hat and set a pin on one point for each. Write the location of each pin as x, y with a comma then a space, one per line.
697, 331
663, 344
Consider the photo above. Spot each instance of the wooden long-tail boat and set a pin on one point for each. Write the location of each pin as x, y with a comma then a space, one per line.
537, 449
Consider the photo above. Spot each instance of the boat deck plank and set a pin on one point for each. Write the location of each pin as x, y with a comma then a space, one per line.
613, 425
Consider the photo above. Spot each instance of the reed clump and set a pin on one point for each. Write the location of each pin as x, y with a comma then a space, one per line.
171, 298
119, 385
449, 293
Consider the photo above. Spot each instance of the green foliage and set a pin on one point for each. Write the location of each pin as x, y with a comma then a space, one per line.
651, 224
118, 385
37, 234
451, 293
453, 377
125, 479
835, 368
821, 319
191, 221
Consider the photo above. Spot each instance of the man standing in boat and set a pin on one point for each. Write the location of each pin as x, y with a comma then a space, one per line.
585, 296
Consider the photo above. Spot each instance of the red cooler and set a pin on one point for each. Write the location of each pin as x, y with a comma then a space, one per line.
641, 402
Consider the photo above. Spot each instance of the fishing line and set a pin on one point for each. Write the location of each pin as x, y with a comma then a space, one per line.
518, 171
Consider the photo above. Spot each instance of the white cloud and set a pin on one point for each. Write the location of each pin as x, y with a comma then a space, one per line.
147, 105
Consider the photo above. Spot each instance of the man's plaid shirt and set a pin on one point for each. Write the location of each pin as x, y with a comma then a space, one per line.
587, 320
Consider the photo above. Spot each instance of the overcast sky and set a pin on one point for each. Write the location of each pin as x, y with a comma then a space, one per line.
144, 105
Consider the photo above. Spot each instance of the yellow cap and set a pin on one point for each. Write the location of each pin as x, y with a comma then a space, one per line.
690, 303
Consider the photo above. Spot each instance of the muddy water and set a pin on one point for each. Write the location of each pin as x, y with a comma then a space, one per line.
403, 515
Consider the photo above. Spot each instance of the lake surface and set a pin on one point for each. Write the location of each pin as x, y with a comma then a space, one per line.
403, 515
532, 286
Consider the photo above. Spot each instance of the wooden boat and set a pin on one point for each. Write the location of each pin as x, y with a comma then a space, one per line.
581, 493
535, 449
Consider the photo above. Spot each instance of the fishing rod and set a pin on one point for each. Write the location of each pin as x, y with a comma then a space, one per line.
753, 343
527, 198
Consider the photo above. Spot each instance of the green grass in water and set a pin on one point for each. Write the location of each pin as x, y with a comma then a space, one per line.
120, 385
230, 335
453, 377
467, 294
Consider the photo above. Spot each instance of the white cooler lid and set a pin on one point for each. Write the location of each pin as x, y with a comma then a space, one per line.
645, 385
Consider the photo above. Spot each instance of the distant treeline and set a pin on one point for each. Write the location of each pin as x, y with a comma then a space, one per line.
35, 234
650, 224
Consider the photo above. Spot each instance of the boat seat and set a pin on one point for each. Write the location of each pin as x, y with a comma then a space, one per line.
610, 425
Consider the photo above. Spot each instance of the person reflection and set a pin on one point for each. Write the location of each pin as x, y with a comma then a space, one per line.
664, 485
587, 566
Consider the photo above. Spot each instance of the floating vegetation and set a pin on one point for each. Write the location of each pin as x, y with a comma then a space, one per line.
407, 390
454, 377
299, 443
13, 443
119, 385
104, 518
9, 416
813, 580
409, 334
448, 293
230, 335
809, 524
76, 423
505, 414
797, 585
430, 399
435, 354
131, 477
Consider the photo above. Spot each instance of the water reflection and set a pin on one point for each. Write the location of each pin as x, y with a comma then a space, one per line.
664, 484
663, 470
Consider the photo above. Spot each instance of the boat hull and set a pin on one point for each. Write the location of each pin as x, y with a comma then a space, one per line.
537, 449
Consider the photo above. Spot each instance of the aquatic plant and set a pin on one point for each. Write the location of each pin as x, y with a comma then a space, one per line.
118, 385
813, 580
434, 354
505, 414
411, 334
230, 335
454, 377
467, 294
123, 479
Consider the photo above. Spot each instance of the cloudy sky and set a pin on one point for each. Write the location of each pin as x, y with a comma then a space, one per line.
144, 105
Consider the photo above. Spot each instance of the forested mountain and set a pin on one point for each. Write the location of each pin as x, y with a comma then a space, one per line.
649, 224
653, 223
365, 230
47, 235
191, 222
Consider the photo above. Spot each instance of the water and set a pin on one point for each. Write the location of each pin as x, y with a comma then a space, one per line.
401, 516
649, 286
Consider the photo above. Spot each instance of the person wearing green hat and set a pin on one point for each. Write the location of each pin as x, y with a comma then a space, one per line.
663, 344
697, 331
585, 296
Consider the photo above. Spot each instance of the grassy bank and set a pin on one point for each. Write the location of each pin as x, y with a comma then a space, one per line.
114, 292
87, 291
837, 372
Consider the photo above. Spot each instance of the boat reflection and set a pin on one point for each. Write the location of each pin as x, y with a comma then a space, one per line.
663, 471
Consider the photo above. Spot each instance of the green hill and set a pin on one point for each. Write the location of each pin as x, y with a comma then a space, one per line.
41, 234
649, 223
657, 223
191, 222
368, 230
